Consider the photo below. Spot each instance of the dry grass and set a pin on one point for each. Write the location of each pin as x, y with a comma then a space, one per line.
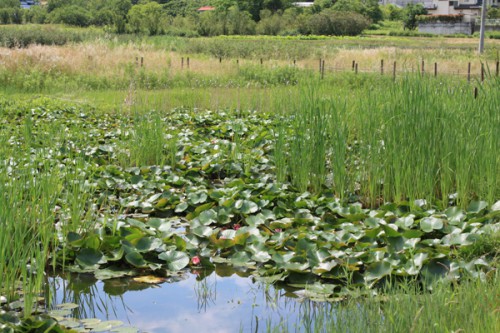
104, 60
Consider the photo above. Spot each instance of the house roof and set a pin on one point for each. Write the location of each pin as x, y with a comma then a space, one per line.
303, 4
205, 8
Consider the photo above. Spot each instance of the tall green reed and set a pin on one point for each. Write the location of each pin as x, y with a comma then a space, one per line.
417, 138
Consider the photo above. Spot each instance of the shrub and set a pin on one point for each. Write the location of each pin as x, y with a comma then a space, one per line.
25, 35
337, 23
440, 18
410, 15
71, 15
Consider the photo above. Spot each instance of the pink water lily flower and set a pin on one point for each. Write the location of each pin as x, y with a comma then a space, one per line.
195, 260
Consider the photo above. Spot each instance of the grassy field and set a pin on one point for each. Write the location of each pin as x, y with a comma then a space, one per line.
340, 185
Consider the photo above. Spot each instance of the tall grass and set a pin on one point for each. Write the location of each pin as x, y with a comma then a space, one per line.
42, 200
416, 139
27, 222
469, 307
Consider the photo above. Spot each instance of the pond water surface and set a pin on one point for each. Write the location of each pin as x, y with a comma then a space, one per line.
223, 301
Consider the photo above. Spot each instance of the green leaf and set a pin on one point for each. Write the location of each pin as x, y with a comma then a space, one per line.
148, 244
435, 269
197, 198
181, 207
455, 215
255, 220
112, 273
428, 224
207, 217
476, 206
176, 260
246, 206
135, 259
90, 257
202, 231
324, 267
378, 270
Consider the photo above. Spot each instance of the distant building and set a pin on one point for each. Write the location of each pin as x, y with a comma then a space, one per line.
470, 9
303, 4
26, 4
440, 4
205, 9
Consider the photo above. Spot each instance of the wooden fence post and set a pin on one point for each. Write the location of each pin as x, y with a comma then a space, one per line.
482, 72
435, 69
382, 67
498, 67
182, 62
394, 72
423, 67
468, 73
356, 68
142, 61
187, 62
322, 69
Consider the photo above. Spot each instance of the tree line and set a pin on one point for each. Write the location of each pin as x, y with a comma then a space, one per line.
230, 17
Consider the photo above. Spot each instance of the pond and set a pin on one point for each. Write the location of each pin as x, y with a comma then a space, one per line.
223, 301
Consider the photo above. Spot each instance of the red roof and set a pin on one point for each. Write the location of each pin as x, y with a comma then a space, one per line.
206, 8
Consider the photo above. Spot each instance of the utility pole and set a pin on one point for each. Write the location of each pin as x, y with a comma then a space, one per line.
483, 24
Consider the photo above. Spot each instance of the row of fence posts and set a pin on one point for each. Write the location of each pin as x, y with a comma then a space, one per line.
355, 67
422, 69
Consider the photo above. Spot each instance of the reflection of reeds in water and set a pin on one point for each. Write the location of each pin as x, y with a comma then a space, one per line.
206, 293
470, 307
83, 291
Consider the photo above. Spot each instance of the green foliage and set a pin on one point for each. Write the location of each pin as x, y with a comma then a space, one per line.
148, 18
36, 14
440, 18
410, 13
25, 35
71, 15
10, 4
368, 8
392, 12
493, 13
13, 15
335, 23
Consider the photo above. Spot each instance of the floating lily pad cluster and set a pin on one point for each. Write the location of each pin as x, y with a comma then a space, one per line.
220, 201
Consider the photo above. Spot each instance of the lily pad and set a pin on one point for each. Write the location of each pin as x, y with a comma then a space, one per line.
429, 224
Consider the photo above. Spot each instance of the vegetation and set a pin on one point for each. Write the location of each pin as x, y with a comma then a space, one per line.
339, 185
230, 17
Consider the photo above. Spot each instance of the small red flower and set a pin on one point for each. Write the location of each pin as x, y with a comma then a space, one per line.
236, 226
278, 230
195, 260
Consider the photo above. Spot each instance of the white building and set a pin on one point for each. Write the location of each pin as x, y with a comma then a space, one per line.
471, 9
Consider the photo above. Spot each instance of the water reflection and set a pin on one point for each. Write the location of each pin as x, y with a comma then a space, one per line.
223, 300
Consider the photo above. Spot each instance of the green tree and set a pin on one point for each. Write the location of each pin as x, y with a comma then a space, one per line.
368, 8
10, 4
392, 12
493, 12
338, 23
36, 14
410, 15
71, 15
148, 17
